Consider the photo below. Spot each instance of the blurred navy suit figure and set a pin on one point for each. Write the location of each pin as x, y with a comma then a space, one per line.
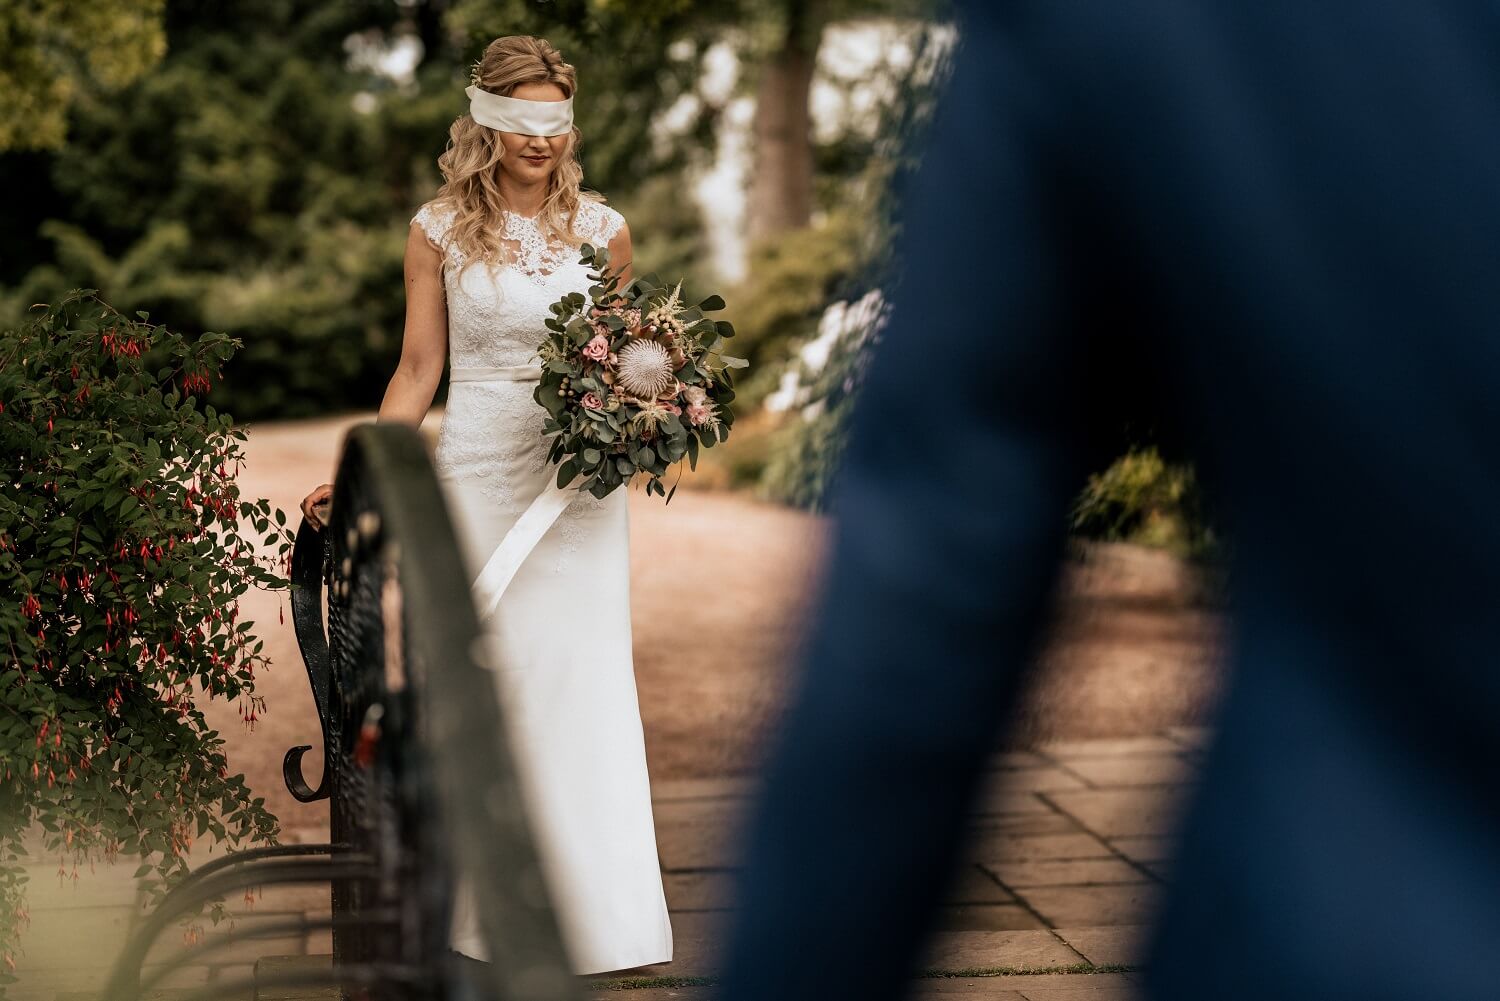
1279, 221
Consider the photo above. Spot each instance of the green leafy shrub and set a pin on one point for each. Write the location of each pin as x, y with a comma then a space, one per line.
121, 565
1145, 499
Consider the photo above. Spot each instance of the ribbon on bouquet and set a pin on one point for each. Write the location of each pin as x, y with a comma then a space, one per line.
518, 544
533, 523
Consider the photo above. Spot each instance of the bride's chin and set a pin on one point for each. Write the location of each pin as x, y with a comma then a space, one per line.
531, 172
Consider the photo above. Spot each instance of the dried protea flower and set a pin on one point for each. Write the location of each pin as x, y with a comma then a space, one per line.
646, 368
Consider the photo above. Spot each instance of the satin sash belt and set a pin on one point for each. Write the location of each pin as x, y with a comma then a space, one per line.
501, 373
533, 522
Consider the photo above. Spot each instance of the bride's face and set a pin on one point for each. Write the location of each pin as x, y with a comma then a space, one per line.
531, 159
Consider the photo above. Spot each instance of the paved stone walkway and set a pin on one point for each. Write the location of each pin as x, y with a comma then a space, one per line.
1068, 852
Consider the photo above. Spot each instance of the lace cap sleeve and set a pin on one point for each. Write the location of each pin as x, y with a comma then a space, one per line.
435, 222
600, 222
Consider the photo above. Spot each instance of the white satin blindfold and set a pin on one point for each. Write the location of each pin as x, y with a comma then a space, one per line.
512, 114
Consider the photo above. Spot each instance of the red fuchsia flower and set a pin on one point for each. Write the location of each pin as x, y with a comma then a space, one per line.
31, 607
592, 402
698, 413
597, 349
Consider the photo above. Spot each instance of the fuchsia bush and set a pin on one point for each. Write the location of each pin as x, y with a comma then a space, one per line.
121, 569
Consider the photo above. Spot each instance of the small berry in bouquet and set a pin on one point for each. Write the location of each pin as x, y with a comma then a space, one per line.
633, 380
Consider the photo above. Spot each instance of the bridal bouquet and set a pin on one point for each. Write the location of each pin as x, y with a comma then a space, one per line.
632, 380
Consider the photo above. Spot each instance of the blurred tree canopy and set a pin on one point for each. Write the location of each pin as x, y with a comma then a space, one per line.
48, 46
250, 166
257, 178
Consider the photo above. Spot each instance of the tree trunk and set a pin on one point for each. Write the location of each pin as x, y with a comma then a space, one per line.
781, 180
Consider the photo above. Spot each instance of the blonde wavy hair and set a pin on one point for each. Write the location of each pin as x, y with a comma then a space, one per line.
470, 164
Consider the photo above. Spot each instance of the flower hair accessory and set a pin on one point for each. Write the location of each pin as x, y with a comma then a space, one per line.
513, 114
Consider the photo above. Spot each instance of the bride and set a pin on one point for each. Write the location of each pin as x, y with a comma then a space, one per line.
484, 259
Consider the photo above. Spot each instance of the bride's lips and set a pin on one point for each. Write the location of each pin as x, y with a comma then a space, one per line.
538, 160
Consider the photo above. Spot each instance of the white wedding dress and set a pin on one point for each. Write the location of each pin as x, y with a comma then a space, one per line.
560, 637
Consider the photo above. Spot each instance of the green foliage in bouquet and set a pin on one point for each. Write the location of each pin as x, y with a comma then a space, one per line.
632, 380
121, 566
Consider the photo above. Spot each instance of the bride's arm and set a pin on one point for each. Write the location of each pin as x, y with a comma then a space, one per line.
620, 254
424, 346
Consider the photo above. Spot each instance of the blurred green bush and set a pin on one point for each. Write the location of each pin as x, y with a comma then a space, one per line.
1145, 499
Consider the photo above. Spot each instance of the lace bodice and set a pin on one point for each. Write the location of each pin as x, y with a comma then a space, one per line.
496, 314
492, 437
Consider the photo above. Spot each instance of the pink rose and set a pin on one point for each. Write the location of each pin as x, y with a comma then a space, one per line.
698, 413
597, 349
592, 402
670, 407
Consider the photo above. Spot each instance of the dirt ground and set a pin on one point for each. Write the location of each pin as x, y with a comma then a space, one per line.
1135, 649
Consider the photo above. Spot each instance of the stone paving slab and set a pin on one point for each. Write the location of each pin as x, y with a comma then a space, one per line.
1122, 813
986, 917
1145, 770
971, 950
698, 891
1040, 778
695, 847
1005, 760
1100, 985
726, 811
1071, 993
1190, 736
1058, 987
1006, 800
676, 789
653, 994
973, 885
996, 849
1121, 945
1066, 872
1148, 849
1052, 822
1109, 748
1093, 906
